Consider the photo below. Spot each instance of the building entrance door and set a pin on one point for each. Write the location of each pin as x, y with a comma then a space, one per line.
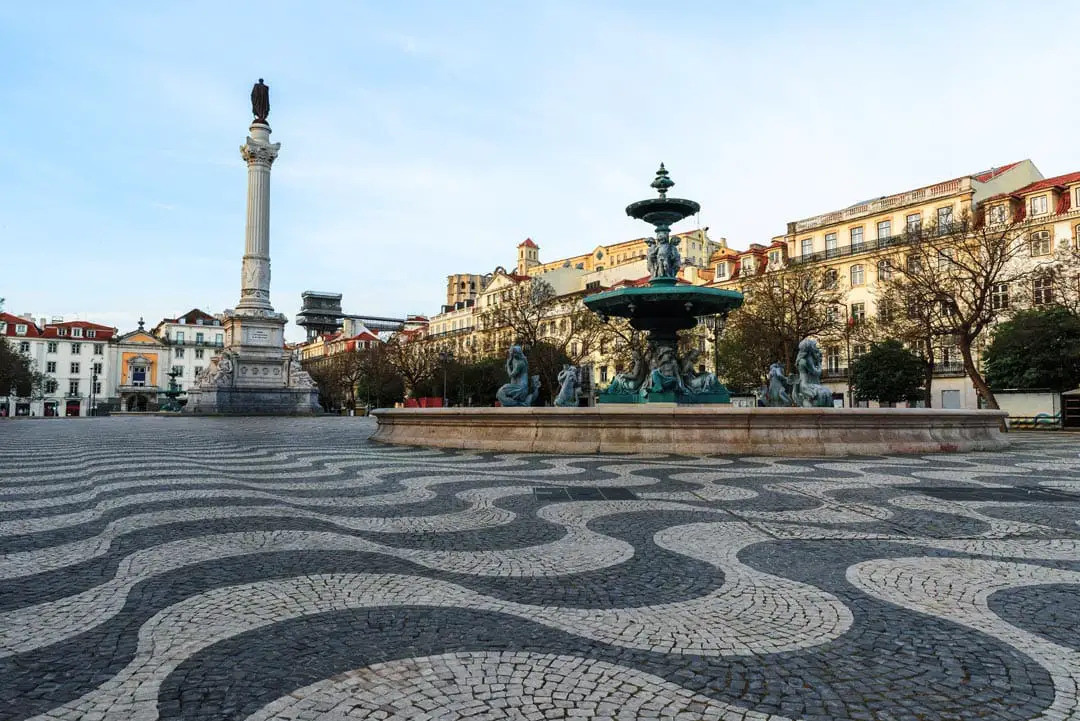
1070, 411
72, 408
50, 408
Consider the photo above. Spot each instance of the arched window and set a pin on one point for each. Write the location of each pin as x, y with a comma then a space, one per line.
832, 279
884, 269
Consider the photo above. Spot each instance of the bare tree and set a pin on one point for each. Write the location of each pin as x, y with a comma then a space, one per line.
784, 306
414, 359
909, 320
962, 276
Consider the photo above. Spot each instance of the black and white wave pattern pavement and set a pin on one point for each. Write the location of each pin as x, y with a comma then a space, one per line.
159, 568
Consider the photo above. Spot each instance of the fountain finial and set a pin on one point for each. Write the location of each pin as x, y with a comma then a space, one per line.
662, 183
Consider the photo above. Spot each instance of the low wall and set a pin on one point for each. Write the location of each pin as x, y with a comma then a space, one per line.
695, 431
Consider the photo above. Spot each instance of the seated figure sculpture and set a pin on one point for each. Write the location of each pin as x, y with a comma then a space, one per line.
521, 390
666, 375
703, 382
628, 383
809, 393
776, 393
568, 387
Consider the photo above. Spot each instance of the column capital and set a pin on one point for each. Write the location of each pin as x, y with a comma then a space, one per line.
256, 153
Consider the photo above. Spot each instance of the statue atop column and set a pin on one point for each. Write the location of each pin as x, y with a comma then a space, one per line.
260, 101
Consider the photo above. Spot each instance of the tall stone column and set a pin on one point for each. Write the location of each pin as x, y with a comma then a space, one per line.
259, 153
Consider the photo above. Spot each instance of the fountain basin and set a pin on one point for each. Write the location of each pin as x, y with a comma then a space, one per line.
663, 304
695, 431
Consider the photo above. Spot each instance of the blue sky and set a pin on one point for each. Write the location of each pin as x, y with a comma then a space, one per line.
421, 139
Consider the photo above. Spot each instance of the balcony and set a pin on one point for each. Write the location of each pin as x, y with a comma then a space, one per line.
202, 343
868, 246
920, 195
834, 374
949, 369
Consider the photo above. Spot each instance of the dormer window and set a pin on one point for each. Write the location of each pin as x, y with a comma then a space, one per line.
61, 331
997, 214
748, 264
3, 327
1039, 205
20, 329
91, 333
76, 332
721, 271
774, 259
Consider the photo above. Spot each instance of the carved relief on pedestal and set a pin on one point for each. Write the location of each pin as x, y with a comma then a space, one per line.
256, 275
256, 153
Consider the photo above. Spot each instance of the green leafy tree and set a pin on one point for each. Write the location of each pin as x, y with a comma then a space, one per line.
18, 378
1037, 348
888, 373
379, 383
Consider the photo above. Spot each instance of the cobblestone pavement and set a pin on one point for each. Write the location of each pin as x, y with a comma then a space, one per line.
181, 568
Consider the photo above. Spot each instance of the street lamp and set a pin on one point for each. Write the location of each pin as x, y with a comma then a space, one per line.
716, 324
93, 385
445, 356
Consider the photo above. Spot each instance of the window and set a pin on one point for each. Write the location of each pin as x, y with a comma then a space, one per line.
832, 358
76, 332
99, 349
180, 337
807, 246
219, 339
856, 237
945, 258
885, 311
884, 229
830, 243
50, 367
884, 269
858, 350
999, 296
20, 329
179, 352
97, 388
997, 214
832, 279
603, 374
1044, 290
1040, 243
50, 386
76, 349
61, 332
944, 220
73, 388
91, 333
3, 328
24, 347
199, 353
1038, 205
913, 309
913, 222
198, 370
832, 314
75, 368
198, 337
51, 346
914, 264
721, 270
857, 275
178, 370
97, 369
774, 259
858, 312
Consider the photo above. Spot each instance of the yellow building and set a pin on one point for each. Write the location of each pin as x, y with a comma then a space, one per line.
853, 246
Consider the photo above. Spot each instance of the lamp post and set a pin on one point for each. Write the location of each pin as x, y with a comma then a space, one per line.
716, 324
93, 384
445, 357
849, 326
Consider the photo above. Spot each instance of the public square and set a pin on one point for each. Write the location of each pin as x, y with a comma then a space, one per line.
272, 568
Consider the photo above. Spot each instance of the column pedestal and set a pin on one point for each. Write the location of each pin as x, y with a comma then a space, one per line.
254, 375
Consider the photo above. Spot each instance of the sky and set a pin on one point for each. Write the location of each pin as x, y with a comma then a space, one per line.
425, 138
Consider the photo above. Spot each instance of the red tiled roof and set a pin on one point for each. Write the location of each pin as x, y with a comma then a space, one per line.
191, 317
101, 332
528, 243
1056, 181
994, 172
32, 331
